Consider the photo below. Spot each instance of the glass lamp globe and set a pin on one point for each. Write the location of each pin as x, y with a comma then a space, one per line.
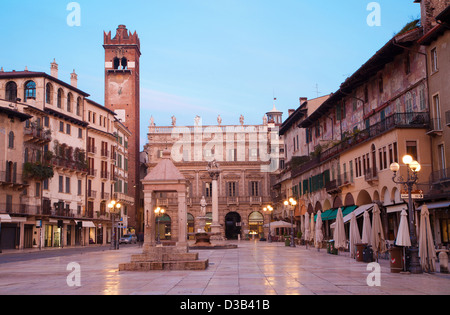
415, 166
407, 159
395, 167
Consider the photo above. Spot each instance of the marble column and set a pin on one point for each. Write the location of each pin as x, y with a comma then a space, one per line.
149, 221
182, 219
216, 228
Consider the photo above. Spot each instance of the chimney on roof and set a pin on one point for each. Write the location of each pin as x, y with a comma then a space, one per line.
291, 111
74, 79
302, 100
1, 70
54, 69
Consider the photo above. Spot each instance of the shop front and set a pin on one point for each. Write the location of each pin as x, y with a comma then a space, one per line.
52, 235
256, 225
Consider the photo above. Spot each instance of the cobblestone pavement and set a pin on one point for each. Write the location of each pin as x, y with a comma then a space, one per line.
254, 268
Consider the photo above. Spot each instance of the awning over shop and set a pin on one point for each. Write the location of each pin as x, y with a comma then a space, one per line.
332, 213
436, 205
396, 208
358, 211
5, 218
88, 224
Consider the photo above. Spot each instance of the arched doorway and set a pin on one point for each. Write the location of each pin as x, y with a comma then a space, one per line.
318, 207
349, 201
363, 198
337, 203
232, 225
163, 227
256, 222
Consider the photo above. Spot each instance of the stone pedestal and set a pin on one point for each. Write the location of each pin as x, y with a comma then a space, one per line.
165, 258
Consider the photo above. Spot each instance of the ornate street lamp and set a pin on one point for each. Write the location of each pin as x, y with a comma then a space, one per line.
412, 167
291, 203
113, 207
270, 210
159, 213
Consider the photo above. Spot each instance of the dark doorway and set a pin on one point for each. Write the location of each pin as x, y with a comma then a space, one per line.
9, 237
28, 237
232, 225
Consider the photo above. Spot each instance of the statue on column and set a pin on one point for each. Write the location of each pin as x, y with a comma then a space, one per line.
203, 205
197, 120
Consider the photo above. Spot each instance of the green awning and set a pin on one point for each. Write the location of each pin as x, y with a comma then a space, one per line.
332, 213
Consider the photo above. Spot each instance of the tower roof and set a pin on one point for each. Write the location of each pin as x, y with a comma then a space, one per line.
274, 110
122, 37
165, 170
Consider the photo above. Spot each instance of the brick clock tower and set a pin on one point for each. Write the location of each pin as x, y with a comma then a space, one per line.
122, 94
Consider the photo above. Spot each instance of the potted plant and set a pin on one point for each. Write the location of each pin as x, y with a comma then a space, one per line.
287, 240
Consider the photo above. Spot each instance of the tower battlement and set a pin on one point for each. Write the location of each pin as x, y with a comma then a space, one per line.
122, 37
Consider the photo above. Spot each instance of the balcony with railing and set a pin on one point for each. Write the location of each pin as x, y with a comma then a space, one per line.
91, 172
37, 135
68, 165
92, 194
435, 127
91, 149
104, 175
440, 176
397, 120
12, 179
105, 196
104, 153
303, 167
20, 209
439, 185
371, 175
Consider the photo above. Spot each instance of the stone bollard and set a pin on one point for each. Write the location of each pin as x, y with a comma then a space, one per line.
443, 260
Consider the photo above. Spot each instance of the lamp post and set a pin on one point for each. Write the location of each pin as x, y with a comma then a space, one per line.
292, 203
159, 213
270, 210
412, 168
113, 206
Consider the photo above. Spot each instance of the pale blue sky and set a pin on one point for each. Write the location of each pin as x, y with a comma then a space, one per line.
205, 57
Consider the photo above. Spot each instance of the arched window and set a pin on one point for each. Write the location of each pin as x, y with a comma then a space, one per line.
79, 106
11, 140
409, 107
124, 63
69, 102
374, 160
11, 91
60, 97
30, 90
49, 94
422, 100
116, 63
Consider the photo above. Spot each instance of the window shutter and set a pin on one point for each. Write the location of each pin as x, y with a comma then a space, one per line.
14, 172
